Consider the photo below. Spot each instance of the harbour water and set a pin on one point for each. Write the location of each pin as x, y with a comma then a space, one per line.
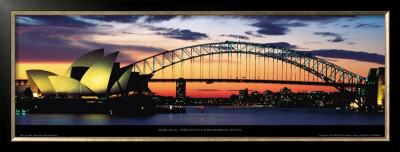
215, 116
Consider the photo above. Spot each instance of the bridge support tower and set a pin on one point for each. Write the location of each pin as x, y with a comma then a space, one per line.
376, 89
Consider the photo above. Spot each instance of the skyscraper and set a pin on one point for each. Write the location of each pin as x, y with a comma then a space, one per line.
180, 90
244, 95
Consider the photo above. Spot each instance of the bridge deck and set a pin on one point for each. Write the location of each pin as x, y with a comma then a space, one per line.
258, 81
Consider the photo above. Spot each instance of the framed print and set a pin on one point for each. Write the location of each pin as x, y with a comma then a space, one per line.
199, 76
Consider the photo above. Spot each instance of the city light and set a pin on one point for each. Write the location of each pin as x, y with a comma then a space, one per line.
89, 97
35, 94
354, 105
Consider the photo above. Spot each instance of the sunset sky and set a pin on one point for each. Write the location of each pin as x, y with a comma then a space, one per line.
52, 42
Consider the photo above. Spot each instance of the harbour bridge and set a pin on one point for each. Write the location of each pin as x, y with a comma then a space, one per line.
247, 62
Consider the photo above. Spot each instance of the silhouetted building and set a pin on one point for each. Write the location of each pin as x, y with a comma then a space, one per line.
256, 97
244, 95
268, 97
234, 99
286, 93
180, 90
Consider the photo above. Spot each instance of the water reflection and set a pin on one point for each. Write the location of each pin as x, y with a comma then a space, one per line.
202, 119
215, 116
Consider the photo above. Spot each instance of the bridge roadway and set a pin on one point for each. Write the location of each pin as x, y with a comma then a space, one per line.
260, 81
253, 81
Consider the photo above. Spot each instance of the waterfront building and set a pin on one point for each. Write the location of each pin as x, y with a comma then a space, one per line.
286, 91
286, 94
256, 97
234, 99
268, 97
243, 95
376, 89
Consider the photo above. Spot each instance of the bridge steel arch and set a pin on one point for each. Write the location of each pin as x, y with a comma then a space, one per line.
328, 72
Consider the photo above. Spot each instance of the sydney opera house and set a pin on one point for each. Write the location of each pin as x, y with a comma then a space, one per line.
90, 76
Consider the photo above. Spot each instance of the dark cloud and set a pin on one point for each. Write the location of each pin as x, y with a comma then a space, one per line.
326, 34
329, 59
252, 34
51, 31
39, 46
109, 26
128, 33
105, 34
367, 26
296, 24
363, 25
352, 55
337, 37
236, 36
182, 34
307, 43
54, 21
270, 28
159, 18
115, 47
284, 45
351, 19
124, 49
113, 18
280, 24
308, 18
42, 27
158, 28
55, 47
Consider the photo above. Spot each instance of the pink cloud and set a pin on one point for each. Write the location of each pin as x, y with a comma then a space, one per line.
23, 31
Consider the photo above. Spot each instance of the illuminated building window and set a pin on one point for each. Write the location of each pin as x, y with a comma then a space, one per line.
131, 92
354, 105
115, 95
89, 97
91, 101
35, 94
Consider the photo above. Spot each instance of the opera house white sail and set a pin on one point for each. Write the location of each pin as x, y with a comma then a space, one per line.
122, 82
98, 75
68, 85
86, 60
39, 82
91, 74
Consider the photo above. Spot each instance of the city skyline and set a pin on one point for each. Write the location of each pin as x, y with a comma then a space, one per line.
53, 42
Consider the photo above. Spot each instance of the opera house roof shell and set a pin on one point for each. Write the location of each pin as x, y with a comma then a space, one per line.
91, 74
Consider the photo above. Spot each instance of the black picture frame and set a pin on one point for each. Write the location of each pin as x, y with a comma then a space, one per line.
88, 5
